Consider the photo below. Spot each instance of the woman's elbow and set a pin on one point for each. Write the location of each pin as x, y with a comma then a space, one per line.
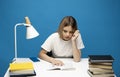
77, 60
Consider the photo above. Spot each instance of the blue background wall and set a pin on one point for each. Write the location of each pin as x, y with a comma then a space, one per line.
98, 20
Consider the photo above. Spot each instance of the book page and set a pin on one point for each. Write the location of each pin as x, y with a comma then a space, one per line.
66, 66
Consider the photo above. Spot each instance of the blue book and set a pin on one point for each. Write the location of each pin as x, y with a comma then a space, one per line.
34, 59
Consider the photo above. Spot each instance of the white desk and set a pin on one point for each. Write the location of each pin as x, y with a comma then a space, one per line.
41, 69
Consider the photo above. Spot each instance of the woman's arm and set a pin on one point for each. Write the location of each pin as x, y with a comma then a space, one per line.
76, 51
43, 55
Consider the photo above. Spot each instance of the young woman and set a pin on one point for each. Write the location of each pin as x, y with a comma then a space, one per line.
66, 43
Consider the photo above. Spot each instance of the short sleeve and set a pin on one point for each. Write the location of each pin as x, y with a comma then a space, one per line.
47, 45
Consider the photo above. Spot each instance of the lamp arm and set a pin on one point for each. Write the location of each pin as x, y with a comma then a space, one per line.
30, 29
15, 36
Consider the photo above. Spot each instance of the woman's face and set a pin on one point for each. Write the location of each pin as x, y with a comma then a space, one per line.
67, 33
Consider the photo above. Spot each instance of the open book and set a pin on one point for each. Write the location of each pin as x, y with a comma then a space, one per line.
66, 66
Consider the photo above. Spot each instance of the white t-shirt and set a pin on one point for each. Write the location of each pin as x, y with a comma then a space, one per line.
59, 47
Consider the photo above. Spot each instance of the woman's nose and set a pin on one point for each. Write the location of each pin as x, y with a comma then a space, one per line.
67, 33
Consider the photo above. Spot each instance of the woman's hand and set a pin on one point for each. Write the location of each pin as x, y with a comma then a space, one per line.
75, 35
57, 62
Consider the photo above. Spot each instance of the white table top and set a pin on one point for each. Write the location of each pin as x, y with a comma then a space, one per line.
41, 69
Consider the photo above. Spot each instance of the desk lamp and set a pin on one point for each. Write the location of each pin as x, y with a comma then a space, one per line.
30, 33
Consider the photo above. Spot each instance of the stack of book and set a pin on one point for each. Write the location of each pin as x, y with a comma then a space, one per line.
100, 66
21, 69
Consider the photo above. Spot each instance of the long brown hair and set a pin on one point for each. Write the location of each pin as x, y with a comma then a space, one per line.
67, 21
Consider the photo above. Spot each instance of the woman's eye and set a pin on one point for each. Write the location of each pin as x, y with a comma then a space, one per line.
65, 31
71, 32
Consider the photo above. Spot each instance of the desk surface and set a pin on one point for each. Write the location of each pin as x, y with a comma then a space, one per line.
41, 68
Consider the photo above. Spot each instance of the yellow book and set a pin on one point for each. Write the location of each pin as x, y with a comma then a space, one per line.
21, 66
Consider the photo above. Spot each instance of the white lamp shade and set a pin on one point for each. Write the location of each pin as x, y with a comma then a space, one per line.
31, 32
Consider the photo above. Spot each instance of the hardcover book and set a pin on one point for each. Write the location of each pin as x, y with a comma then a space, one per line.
22, 73
103, 63
101, 66
21, 69
21, 66
100, 58
100, 70
101, 74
